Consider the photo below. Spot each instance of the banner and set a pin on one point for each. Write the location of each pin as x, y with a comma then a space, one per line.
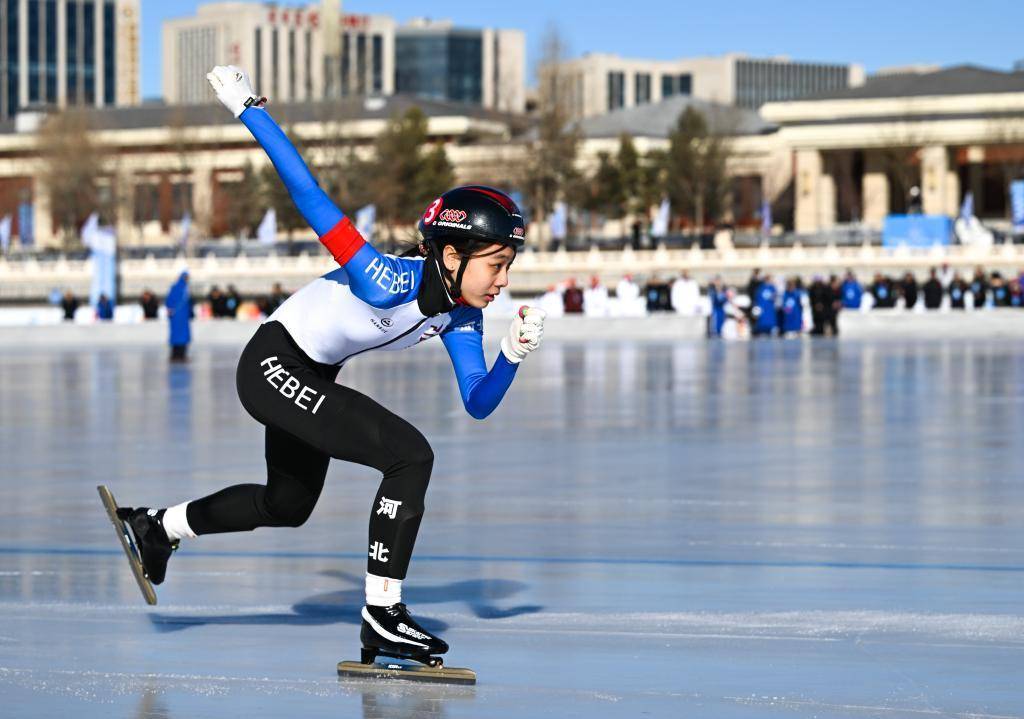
186, 227
5, 234
1017, 204
559, 221
916, 230
766, 217
366, 219
267, 231
102, 243
26, 224
659, 228
967, 208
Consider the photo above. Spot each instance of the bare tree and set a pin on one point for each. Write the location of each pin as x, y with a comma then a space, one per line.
73, 165
551, 174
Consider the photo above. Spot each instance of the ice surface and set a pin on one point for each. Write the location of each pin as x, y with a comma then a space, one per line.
788, 529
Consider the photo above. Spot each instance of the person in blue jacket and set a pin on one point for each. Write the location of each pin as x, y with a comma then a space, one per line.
765, 307
179, 318
104, 309
286, 374
719, 298
852, 291
792, 309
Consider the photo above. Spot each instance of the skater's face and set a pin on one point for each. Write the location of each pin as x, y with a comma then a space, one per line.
486, 273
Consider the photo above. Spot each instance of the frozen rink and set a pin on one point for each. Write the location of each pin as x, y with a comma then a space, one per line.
774, 529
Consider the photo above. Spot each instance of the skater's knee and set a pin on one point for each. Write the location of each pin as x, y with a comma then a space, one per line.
411, 447
287, 508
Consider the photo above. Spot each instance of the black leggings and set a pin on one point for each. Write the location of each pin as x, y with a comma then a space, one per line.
309, 420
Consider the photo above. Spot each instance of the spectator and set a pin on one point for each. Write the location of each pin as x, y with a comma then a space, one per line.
179, 315
718, 299
595, 299
957, 292
277, 297
792, 309
1016, 294
69, 304
933, 291
234, 301
852, 291
572, 298
766, 316
821, 302
979, 288
218, 302
150, 306
832, 316
946, 276
1000, 291
658, 295
551, 302
908, 289
685, 295
104, 309
754, 284
881, 290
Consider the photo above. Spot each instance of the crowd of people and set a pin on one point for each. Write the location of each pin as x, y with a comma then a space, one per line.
767, 306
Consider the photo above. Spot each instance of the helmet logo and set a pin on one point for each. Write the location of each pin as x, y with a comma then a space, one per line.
431, 214
452, 215
518, 231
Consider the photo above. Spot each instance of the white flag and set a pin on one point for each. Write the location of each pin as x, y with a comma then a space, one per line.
558, 222
366, 218
659, 228
186, 226
5, 233
267, 231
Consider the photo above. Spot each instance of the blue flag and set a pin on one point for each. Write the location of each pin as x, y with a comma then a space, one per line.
1017, 203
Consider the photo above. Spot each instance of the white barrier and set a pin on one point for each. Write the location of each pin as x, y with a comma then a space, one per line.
532, 273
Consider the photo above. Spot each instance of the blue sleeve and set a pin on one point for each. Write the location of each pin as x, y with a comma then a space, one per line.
379, 280
314, 204
481, 390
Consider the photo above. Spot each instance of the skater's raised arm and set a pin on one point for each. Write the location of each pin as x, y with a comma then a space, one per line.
376, 279
483, 390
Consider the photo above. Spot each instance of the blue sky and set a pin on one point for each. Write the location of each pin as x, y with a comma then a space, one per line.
875, 33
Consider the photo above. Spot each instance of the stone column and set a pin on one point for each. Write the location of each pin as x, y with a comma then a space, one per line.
202, 198
934, 179
807, 216
42, 215
875, 191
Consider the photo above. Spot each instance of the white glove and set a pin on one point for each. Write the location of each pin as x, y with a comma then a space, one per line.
524, 335
233, 88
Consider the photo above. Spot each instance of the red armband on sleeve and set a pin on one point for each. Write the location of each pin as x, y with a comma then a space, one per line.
343, 241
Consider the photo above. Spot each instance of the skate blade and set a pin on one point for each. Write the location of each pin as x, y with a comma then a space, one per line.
128, 545
407, 672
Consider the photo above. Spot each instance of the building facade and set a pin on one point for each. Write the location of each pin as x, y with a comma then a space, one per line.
68, 52
285, 50
480, 67
298, 54
600, 83
857, 153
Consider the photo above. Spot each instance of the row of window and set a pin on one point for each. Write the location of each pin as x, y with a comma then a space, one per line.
343, 71
760, 81
81, 64
681, 84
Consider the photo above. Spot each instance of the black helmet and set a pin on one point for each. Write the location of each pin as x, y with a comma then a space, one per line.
475, 213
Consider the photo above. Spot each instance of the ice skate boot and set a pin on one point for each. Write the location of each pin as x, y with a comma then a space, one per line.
144, 542
392, 632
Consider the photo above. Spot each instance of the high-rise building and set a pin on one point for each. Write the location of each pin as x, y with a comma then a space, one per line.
482, 67
599, 83
283, 49
67, 52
